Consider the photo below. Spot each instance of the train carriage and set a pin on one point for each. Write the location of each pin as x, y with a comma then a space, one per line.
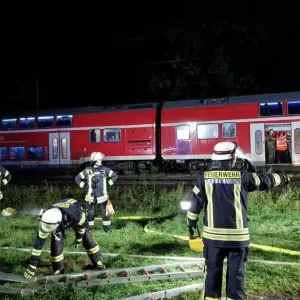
171, 135
66, 138
191, 128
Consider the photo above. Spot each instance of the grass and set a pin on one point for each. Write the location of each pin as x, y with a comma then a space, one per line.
274, 221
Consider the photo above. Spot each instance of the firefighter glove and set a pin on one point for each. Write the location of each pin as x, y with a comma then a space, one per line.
30, 271
286, 178
1, 195
78, 242
109, 208
192, 223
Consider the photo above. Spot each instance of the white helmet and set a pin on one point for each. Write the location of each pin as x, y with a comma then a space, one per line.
51, 219
224, 151
96, 156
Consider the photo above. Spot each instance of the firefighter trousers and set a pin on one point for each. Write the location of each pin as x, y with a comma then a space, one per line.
235, 276
57, 246
106, 220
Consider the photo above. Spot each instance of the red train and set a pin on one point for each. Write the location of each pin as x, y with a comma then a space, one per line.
170, 136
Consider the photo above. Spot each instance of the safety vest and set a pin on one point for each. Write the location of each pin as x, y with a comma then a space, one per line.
281, 144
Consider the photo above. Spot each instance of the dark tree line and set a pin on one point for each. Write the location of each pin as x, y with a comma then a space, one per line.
255, 52
188, 52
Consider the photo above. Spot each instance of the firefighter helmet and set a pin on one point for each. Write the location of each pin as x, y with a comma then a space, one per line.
51, 219
96, 156
224, 151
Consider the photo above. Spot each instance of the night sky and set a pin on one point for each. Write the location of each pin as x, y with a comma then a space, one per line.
133, 54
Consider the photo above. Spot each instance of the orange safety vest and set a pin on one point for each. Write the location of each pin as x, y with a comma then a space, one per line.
281, 144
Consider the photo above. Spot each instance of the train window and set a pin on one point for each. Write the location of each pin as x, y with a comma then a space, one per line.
64, 152
297, 140
112, 135
207, 131
3, 153
7, 124
294, 108
35, 152
45, 122
271, 109
229, 130
258, 142
183, 132
95, 135
16, 153
54, 148
64, 121
26, 123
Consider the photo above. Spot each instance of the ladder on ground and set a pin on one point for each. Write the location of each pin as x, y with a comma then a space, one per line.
98, 278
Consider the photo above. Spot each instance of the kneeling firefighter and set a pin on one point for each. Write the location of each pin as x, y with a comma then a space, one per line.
222, 192
63, 214
94, 178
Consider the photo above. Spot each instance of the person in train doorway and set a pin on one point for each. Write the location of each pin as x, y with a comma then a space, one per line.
270, 147
5, 178
281, 148
289, 146
222, 192
95, 178
54, 220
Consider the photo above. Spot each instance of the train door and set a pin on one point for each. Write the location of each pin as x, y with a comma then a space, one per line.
295, 133
257, 138
59, 148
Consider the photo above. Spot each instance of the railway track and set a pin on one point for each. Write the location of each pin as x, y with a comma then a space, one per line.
166, 180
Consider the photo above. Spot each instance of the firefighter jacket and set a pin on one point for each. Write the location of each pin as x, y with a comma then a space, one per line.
5, 176
223, 195
94, 179
72, 217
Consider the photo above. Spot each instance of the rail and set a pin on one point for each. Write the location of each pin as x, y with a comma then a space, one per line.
162, 180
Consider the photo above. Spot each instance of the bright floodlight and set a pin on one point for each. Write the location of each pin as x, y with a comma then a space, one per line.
185, 205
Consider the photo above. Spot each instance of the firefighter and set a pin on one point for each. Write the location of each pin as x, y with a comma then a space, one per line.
5, 178
94, 178
222, 192
54, 220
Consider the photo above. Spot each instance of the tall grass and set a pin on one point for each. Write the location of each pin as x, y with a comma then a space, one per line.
150, 199
274, 220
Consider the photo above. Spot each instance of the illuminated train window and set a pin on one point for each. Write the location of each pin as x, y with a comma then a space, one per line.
16, 153
35, 152
64, 153
207, 131
112, 135
183, 132
294, 108
54, 149
229, 130
95, 136
64, 121
297, 140
258, 142
3, 153
7, 124
45, 122
26, 123
271, 109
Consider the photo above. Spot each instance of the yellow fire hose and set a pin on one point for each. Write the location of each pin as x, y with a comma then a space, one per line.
197, 244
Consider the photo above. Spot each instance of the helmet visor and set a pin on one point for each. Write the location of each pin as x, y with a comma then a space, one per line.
48, 228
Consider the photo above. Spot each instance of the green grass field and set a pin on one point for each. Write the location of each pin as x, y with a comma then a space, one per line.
274, 221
